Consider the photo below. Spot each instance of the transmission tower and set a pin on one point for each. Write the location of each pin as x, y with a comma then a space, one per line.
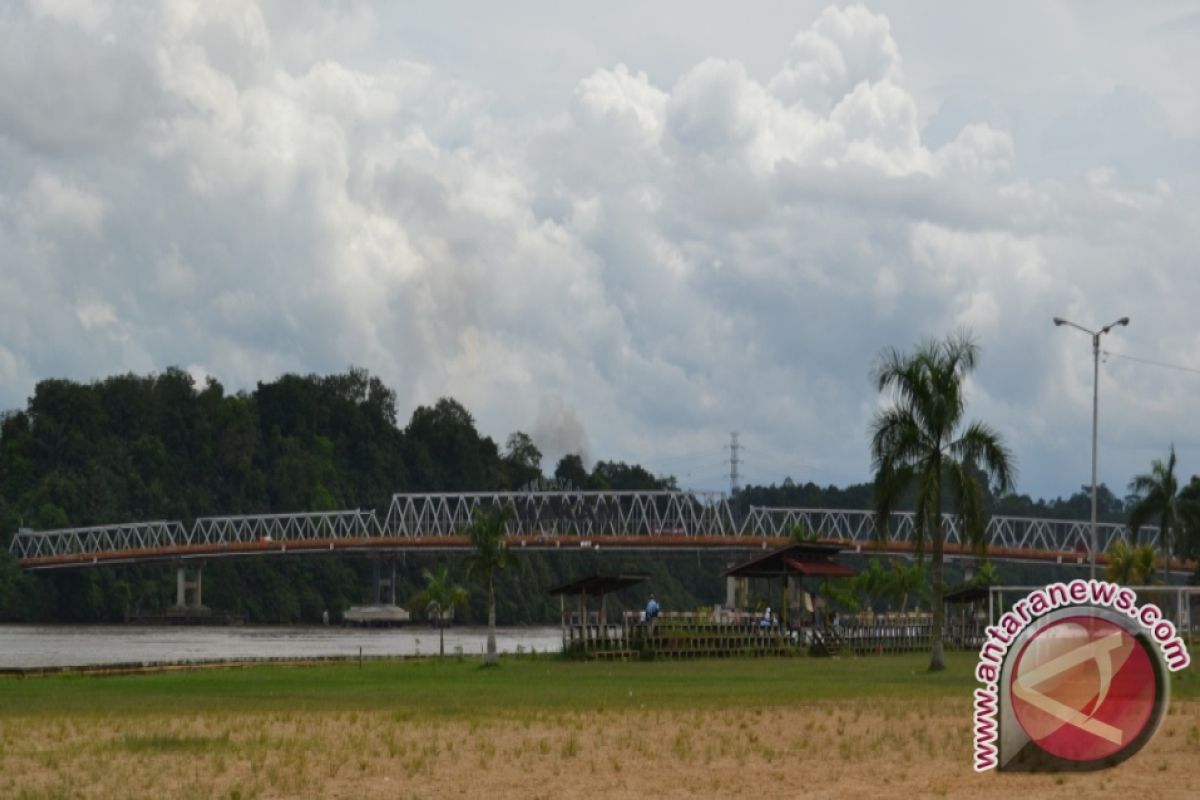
734, 447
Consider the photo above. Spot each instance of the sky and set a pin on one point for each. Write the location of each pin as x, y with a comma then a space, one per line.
627, 229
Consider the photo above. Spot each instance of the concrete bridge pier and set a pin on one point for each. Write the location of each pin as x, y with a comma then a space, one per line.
735, 592
384, 611
385, 578
188, 587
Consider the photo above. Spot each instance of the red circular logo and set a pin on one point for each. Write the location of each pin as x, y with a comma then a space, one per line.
1084, 688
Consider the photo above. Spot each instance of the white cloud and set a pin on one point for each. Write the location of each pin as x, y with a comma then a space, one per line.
93, 315
89, 14
663, 257
49, 202
624, 102
843, 49
979, 150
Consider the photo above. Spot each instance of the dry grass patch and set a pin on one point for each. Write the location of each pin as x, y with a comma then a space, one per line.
845, 748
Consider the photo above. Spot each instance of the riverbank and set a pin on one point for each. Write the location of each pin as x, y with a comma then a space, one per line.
30, 647
149, 667
539, 727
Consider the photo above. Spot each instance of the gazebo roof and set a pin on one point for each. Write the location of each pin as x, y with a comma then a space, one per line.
818, 568
600, 584
803, 558
966, 594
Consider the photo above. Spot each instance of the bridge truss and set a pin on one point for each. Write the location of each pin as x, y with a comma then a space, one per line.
566, 514
539, 519
1010, 533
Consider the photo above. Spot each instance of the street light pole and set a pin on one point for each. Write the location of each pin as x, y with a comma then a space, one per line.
1095, 425
1095, 413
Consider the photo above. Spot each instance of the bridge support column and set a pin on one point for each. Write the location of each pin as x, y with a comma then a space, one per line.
735, 593
385, 579
185, 584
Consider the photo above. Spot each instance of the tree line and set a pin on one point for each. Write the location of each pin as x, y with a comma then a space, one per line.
161, 446
133, 447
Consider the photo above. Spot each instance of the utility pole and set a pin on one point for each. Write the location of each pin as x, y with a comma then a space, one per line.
734, 447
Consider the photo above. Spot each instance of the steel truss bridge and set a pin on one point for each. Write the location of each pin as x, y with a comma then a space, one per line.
661, 521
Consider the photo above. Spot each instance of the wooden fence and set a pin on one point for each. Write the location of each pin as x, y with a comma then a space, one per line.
705, 634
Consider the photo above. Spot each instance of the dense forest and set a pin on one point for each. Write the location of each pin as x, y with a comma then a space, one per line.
160, 447
789, 494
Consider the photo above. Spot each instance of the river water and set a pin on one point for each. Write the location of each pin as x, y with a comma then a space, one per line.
26, 646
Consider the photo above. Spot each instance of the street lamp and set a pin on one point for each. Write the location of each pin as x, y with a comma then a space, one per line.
1095, 408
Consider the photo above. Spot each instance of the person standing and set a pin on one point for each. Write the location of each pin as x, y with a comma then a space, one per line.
651, 611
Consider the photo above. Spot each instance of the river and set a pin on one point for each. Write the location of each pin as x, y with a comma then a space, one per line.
30, 646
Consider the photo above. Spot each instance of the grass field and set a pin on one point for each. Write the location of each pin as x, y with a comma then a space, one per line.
852, 727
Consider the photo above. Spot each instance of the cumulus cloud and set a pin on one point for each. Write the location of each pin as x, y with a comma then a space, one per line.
247, 188
843, 48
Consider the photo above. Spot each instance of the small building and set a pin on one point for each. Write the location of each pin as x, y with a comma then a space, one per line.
790, 565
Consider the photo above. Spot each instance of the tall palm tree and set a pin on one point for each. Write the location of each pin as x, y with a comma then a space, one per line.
491, 553
438, 598
917, 446
1160, 498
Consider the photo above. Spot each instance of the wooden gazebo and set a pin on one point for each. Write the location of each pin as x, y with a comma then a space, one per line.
580, 625
799, 560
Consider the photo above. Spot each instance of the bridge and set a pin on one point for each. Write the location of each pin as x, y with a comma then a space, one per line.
543, 520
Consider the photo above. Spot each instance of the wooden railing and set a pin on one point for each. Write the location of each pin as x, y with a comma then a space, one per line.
730, 633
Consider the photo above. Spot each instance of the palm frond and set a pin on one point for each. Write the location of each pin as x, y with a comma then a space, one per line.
1142, 512
981, 446
908, 379
489, 548
890, 486
968, 497
897, 439
1143, 484
960, 351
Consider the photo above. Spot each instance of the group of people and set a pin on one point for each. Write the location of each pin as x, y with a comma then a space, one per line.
767, 620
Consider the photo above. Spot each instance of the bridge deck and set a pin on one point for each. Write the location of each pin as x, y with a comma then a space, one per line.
397, 544
629, 521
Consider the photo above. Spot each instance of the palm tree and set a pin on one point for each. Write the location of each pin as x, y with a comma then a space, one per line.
917, 446
987, 576
800, 533
871, 584
487, 537
1130, 565
439, 597
905, 581
1159, 497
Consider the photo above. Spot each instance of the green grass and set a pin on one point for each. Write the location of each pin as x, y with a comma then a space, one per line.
520, 686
